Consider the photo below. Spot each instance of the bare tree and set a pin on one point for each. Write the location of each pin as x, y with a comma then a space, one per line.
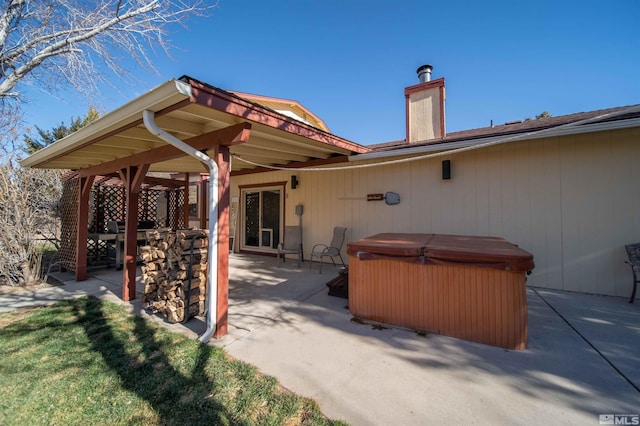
29, 206
64, 43
77, 41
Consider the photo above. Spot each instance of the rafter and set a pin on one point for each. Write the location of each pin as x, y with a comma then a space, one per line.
231, 135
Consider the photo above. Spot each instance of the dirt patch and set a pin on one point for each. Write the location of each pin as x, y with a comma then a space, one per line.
8, 318
10, 289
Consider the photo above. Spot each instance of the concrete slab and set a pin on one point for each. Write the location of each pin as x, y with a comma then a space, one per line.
391, 376
582, 358
260, 289
49, 295
610, 324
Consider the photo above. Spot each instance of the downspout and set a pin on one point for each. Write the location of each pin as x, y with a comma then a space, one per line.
212, 252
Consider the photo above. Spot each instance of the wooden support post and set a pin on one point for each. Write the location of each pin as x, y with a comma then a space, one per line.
84, 190
224, 198
134, 176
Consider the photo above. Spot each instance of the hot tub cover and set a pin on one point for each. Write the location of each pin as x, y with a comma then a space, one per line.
391, 244
492, 252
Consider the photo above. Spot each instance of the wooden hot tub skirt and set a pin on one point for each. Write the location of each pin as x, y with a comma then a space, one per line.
479, 304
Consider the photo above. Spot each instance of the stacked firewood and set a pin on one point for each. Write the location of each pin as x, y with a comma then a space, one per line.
168, 260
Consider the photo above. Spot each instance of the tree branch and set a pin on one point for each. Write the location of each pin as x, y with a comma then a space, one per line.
13, 10
55, 31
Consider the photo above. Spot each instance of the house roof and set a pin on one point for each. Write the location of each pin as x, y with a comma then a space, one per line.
290, 108
519, 127
190, 109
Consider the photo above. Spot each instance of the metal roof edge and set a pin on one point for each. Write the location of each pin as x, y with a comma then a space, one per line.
126, 114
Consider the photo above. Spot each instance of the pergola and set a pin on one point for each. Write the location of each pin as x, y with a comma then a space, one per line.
213, 121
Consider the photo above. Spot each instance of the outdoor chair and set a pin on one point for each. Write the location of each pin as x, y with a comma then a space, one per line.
292, 243
633, 252
332, 250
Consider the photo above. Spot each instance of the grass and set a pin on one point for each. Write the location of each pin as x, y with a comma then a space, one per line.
87, 361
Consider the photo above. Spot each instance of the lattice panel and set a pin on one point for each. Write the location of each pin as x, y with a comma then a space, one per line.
148, 205
108, 205
107, 202
175, 207
69, 222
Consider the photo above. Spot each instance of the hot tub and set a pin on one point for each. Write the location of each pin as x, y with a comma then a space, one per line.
468, 287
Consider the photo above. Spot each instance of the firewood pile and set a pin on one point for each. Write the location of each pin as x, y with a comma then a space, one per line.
168, 259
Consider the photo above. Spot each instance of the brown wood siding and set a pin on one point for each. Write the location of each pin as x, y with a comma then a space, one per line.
477, 304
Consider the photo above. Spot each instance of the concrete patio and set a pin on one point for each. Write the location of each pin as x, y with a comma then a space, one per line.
582, 360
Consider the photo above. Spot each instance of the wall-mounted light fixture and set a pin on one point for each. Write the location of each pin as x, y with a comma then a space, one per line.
446, 169
294, 182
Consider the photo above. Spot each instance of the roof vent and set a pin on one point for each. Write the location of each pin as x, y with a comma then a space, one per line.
424, 73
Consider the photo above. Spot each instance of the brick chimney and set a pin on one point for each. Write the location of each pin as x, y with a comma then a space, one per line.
425, 108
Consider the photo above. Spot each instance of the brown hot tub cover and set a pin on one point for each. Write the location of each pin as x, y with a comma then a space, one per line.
492, 252
388, 244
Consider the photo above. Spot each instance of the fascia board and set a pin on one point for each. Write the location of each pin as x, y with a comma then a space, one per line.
545, 133
172, 91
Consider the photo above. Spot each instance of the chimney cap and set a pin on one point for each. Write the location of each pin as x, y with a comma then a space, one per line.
425, 67
424, 73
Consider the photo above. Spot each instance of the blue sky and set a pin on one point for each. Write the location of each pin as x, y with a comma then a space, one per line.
349, 61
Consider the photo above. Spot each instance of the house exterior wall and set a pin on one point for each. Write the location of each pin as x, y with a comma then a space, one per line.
572, 201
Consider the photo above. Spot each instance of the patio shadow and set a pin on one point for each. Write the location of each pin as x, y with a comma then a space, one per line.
165, 392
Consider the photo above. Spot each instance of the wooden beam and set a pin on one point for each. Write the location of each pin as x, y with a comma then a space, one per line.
231, 135
171, 183
150, 180
138, 177
259, 155
294, 165
82, 234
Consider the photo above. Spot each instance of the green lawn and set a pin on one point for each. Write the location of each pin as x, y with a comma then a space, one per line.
88, 362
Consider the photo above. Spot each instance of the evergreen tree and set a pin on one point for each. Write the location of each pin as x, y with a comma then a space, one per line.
47, 137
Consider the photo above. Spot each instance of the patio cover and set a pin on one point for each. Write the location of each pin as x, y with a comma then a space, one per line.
209, 119
188, 108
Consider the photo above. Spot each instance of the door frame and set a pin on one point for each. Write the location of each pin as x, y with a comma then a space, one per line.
242, 209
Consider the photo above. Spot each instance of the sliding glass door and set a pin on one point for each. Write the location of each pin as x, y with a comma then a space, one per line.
262, 218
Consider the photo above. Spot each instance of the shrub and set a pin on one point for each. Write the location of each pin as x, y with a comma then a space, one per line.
29, 213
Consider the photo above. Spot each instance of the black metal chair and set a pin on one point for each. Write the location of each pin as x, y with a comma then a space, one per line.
633, 252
